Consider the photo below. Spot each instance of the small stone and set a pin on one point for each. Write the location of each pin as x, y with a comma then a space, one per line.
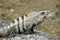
11, 10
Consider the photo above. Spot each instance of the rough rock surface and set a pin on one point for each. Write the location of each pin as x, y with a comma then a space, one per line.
33, 36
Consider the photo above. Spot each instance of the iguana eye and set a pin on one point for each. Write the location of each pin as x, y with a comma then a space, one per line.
13, 21
42, 13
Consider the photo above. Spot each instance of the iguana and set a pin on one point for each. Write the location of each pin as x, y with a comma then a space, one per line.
25, 23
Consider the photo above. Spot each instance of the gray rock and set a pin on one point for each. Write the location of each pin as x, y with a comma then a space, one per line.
33, 36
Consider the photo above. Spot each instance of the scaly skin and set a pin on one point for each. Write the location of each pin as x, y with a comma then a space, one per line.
24, 23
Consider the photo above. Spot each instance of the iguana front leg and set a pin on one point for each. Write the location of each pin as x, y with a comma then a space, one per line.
31, 29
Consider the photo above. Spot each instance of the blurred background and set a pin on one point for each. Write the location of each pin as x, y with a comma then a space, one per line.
11, 9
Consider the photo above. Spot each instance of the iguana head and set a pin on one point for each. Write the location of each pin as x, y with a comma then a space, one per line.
40, 16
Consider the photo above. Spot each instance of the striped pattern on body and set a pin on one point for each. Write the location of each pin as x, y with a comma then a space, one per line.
24, 23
